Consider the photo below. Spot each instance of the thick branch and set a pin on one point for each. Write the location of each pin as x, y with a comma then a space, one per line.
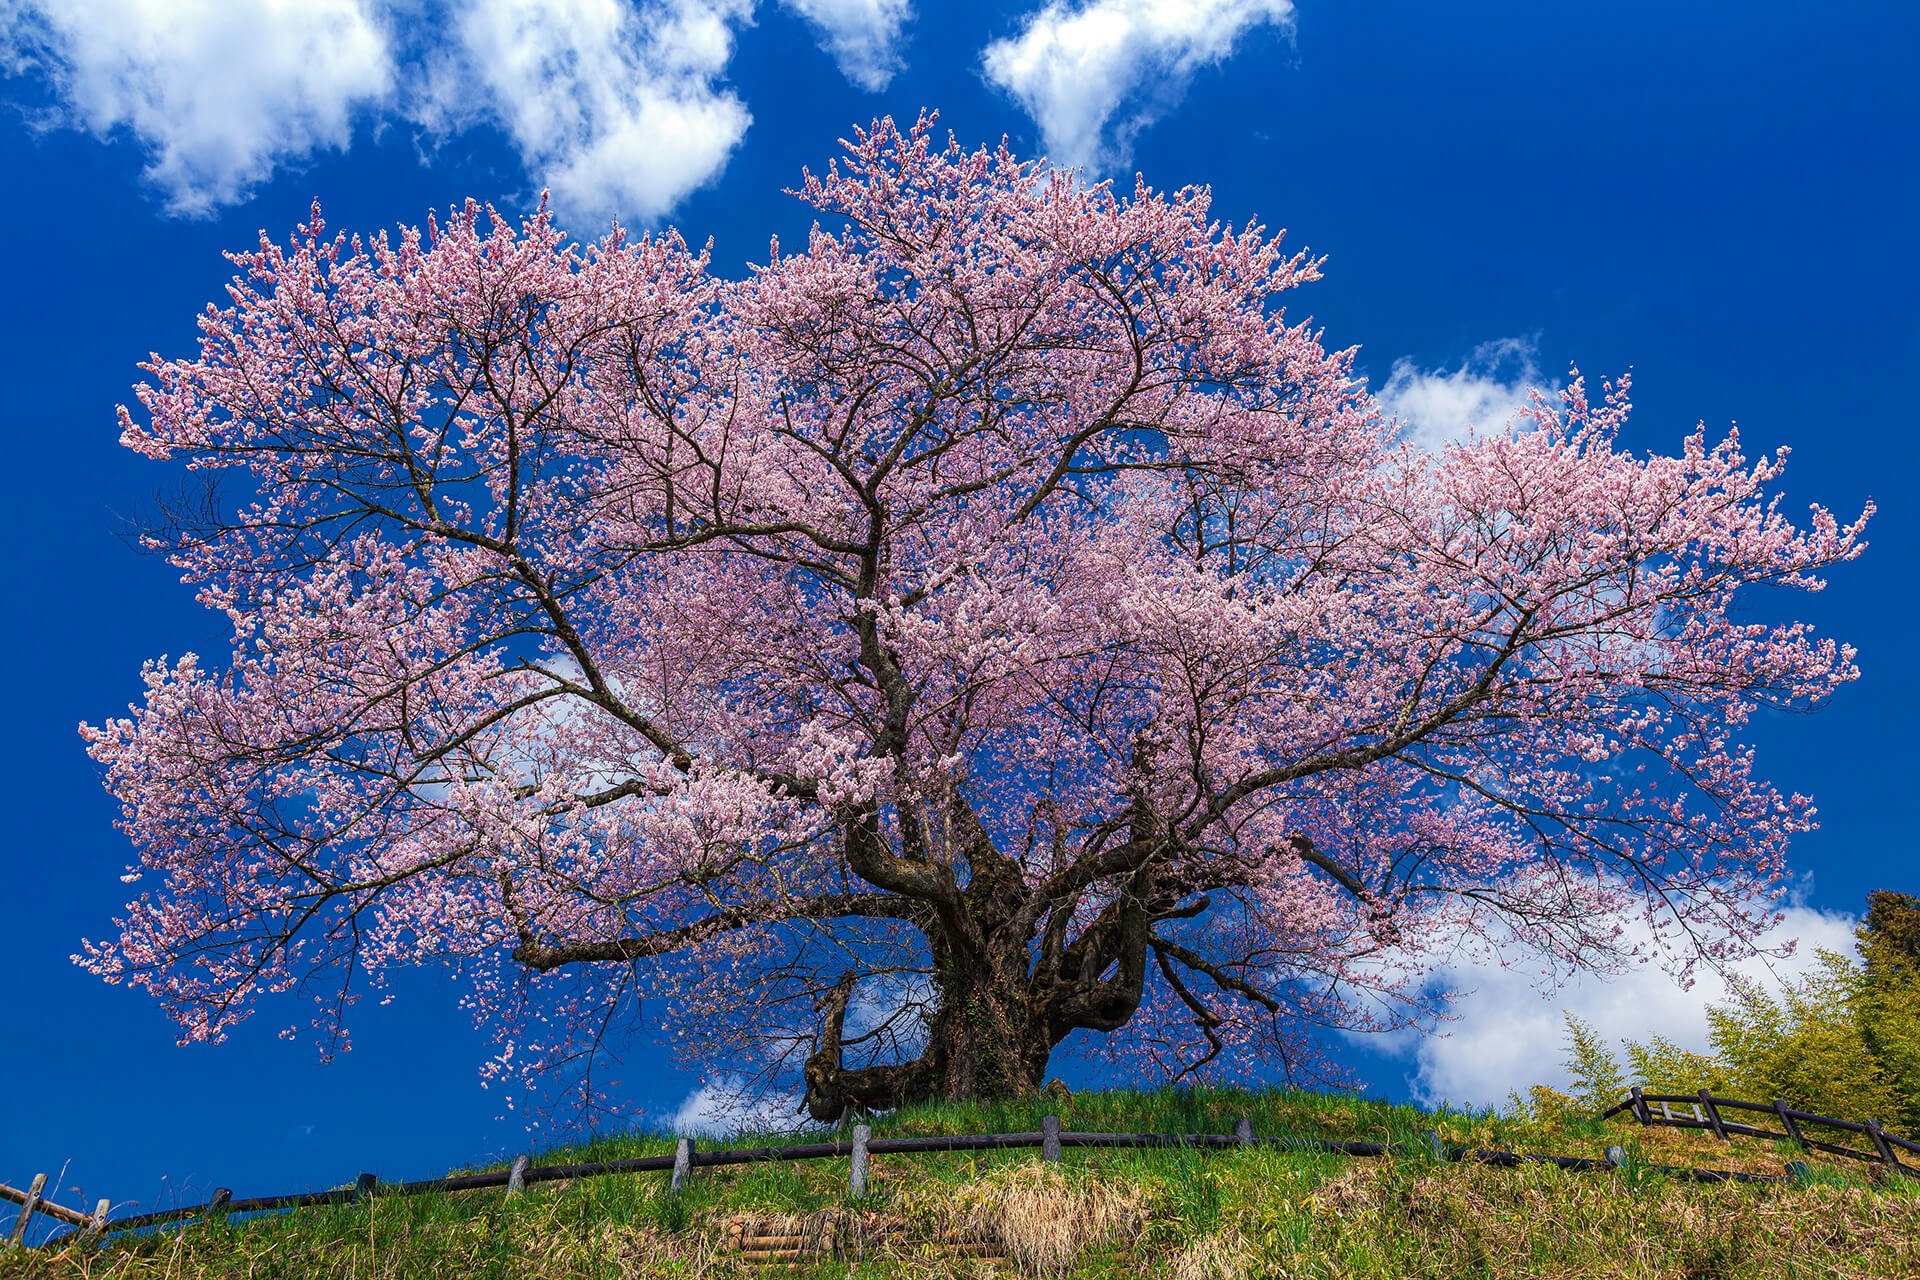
832, 1089
544, 957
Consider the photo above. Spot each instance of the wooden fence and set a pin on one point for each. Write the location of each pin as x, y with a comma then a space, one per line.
31, 1202
1051, 1140
1706, 1114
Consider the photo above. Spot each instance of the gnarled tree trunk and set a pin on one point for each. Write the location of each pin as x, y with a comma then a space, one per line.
1001, 1003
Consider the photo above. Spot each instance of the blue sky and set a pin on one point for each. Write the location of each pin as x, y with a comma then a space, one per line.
1720, 196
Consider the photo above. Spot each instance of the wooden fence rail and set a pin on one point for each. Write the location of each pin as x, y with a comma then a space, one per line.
1051, 1139
1707, 1115
31, 1202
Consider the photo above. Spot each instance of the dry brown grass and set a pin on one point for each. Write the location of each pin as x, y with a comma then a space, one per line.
1224, 1255
1046, 1218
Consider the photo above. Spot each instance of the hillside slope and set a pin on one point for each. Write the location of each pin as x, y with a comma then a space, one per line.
1185, 1215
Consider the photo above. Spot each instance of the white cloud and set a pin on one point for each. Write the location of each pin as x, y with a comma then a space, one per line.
1485, 392
862, 35
619, 106
616, 108
219, 92
1094, 75
724, 1107
896, 1005
1510, 1034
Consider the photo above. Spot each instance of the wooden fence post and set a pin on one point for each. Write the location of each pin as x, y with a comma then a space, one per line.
1243, 1131
1885, 1148
97, 1221
1050, 1139
1640, 1112
517, 1175
31, 1203
363, 1187
1788, 1123
1713, 1116
682, 1167
857, 1172
217, 1206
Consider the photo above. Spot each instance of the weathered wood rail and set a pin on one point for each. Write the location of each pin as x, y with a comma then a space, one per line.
1050, 1139
1707, 1114
32, 1201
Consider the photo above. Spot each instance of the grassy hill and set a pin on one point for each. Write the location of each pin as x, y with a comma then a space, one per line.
1184, 1215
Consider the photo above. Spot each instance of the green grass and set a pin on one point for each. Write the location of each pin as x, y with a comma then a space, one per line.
1181, 1214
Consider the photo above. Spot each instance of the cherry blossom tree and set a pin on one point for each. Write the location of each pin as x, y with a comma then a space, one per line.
994, 622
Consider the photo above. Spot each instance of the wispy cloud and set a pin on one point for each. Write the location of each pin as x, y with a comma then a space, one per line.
862, 35
1511, 1034
621, 107
1093, 75
1484, 393
725, 1105
219, 94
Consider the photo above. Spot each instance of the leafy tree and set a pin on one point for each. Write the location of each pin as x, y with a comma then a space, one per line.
1598, 1082
1888, 1003
1807, 1047
1844, 1038
1661, 1066
1889, 937
992, 622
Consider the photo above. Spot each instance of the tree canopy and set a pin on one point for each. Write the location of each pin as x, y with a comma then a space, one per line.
994, 621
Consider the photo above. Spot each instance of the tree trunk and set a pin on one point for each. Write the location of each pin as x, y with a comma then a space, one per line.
988, 1039
988, 1042
999, 1014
